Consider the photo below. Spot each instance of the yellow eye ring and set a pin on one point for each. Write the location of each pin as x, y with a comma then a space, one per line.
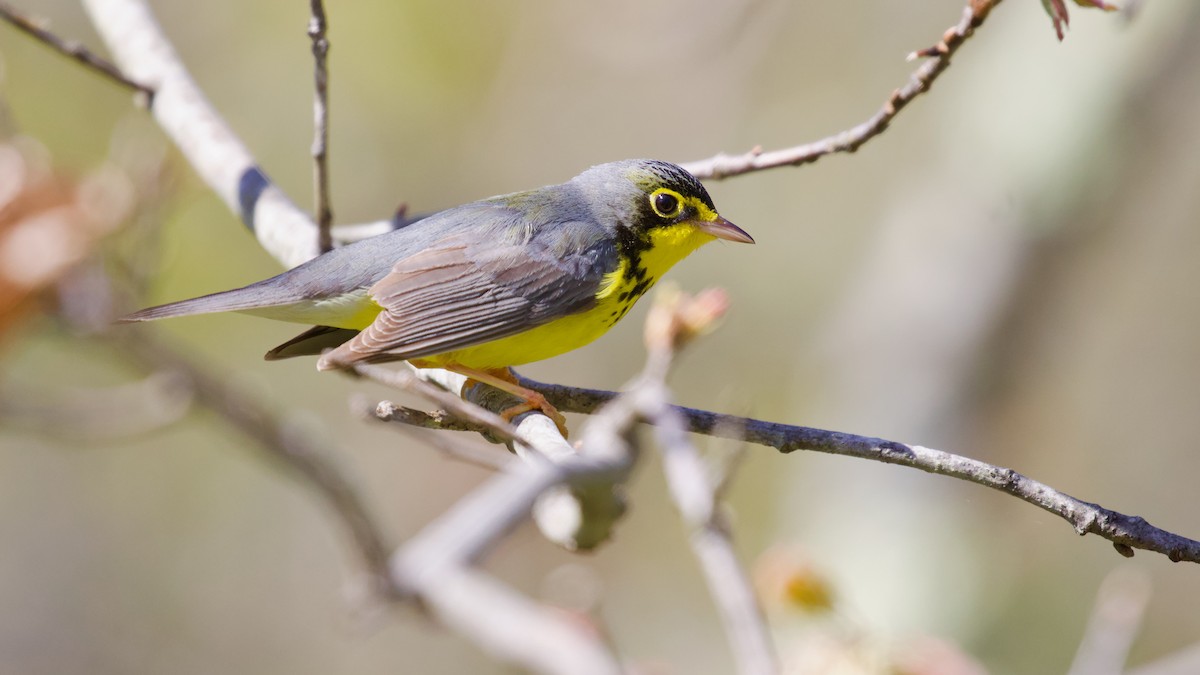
666, 203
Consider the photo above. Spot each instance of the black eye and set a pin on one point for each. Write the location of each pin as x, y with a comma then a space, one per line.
666, 204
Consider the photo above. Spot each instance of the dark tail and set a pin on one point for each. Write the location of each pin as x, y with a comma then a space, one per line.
311, 342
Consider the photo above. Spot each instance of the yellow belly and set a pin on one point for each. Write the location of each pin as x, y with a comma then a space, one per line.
550, 339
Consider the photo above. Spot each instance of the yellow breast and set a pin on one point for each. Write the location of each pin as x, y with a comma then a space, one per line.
619, 290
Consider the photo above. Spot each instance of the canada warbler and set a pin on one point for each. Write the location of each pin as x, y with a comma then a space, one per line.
491, 284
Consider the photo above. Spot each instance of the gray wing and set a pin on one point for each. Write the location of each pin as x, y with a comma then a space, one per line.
471, 288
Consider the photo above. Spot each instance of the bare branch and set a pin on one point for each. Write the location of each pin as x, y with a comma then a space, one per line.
386, 411
515, 628
479, 520
407, 380
1126, 532
724, 166
320, 148
72, 49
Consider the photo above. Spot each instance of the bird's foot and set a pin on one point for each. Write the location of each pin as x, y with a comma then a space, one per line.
502, 379
537, 402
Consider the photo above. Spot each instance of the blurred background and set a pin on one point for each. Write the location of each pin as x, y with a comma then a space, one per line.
1007, 273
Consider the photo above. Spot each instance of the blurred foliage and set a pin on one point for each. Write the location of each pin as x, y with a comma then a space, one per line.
1007, 273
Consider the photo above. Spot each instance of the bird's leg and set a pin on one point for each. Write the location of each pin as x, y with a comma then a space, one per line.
504, 380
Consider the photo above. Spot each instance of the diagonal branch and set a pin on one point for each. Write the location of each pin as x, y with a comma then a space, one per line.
1124, 531
407, 380
724, 166
511, 626
71, 49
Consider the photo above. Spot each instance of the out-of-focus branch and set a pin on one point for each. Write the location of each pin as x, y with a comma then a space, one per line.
1115, 620
322, 208
576, 517
71, 49
98, 414
724, 166
434, 567
693, 487
515, 628
1125, 532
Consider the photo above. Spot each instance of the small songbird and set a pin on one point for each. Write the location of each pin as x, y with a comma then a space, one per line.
491, 284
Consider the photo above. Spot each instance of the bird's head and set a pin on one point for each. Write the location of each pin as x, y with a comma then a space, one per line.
652, 199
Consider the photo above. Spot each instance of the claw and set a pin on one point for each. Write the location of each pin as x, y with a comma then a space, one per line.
503, 380
544, 406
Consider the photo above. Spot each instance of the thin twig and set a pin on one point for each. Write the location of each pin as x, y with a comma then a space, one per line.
35, 28
406, 380
440, 420
317, 27
386, 411
1125, 532
724, 166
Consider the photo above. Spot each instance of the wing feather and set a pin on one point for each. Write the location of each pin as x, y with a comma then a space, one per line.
462, 292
